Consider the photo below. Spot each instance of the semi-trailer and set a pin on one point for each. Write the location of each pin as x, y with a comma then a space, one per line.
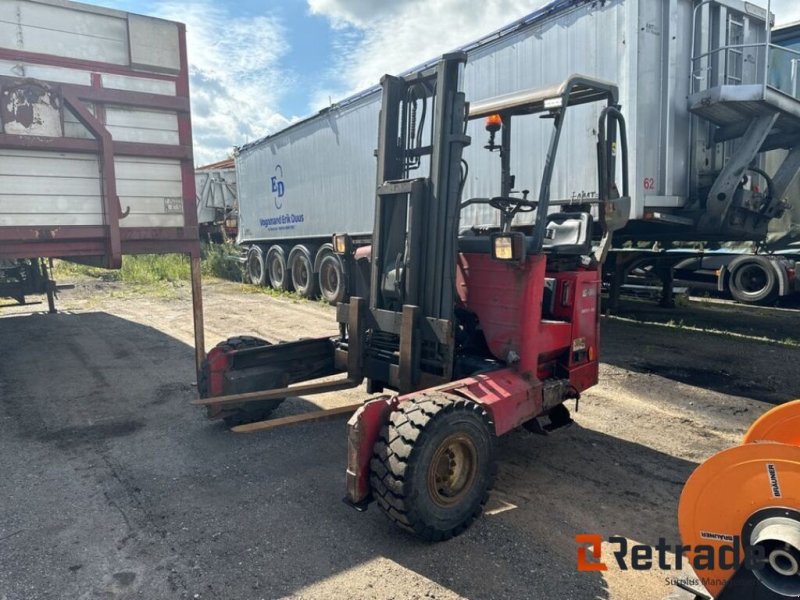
95, 142
714, 120
217, 204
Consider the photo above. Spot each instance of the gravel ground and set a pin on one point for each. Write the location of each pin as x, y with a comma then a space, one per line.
114, 487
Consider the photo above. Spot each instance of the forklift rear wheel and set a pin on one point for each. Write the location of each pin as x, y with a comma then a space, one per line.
252, 412
433, 465
242, 413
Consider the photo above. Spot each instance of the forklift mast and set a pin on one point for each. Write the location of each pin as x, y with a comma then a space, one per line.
408, 341
478, 333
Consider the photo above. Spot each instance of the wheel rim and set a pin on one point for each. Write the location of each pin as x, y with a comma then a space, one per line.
254, 267
276, 271
452, 471
751, 280
330, 278
300, 273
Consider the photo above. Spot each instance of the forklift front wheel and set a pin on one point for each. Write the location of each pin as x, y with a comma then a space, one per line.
433, 465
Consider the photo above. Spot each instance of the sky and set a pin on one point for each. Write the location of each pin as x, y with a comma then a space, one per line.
256, 66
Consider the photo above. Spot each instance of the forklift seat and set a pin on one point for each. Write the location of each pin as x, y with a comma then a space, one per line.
568, 234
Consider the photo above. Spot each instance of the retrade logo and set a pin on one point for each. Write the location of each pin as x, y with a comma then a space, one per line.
728, 554
594, 541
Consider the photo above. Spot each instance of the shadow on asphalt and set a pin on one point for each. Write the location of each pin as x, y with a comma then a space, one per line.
139, 490
732, 349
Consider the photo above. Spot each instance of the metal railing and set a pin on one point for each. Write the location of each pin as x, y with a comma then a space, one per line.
761, 63
783, 73
778, 70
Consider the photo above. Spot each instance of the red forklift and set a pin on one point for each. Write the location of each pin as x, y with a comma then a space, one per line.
475, 332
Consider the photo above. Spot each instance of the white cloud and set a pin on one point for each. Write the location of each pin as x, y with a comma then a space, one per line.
236, 75
361, 13
390, 37
786, 11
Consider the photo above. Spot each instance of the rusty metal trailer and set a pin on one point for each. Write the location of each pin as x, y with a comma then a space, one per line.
95, 137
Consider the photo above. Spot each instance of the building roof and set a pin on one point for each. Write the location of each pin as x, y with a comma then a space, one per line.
222, 164
786, 32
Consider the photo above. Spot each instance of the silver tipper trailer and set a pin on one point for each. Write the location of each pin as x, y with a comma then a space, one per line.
217, 204
704, 92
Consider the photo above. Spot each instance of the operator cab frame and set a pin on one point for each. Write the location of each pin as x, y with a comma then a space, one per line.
539, 310
562, 233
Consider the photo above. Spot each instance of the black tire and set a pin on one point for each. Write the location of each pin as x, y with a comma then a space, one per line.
753, 281
279, 276
252, 412
302, 273
331, 279
256, 266
241, 413
424, 437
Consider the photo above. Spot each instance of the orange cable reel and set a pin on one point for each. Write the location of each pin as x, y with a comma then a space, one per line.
744, 502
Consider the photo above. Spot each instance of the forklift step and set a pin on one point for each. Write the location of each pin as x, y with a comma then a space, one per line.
557, 418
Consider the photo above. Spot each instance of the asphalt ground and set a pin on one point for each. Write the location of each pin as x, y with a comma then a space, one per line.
113, 486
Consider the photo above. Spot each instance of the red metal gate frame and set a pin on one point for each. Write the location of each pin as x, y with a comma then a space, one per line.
109, 240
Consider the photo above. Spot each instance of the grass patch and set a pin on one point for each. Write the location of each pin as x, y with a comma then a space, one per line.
681, 300
293, 297
154, 268
217, 261
682, 326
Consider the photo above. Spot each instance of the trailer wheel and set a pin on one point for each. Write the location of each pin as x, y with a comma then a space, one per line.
302, 272
753, 280
278, 273
331, 279
433, 465
242, 413
256, 266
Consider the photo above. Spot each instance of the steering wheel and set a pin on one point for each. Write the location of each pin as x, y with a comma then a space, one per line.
512, 206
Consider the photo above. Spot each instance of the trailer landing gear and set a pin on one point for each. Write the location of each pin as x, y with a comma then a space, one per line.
21, 278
